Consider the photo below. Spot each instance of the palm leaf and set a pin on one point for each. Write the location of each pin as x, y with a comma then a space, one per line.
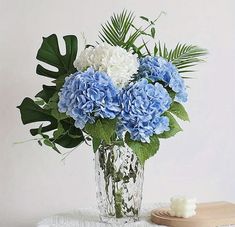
118, 31
183, 56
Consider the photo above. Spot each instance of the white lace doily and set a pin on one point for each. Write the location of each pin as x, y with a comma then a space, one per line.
90, 218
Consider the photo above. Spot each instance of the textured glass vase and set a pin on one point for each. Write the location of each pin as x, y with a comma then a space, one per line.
119, 179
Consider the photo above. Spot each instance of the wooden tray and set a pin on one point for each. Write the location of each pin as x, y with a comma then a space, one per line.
208, 215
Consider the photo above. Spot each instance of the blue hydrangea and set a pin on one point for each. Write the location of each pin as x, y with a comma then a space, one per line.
89, 94
142, 107
158, 69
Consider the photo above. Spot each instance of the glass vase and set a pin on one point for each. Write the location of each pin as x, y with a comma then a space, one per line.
119, 180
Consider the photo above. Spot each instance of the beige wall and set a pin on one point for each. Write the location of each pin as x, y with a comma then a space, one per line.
34, 182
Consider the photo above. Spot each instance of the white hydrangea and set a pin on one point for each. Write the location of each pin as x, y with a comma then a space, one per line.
119, 64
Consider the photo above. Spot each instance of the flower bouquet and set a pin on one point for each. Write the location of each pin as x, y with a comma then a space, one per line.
122, 95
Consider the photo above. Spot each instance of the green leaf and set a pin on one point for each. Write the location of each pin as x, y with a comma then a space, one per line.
102, 129
171, 93
59, 116
165, 51
96, 143
153, 32
71, 137
56, 149
143, 150
31, 112
53, 106
67, 141
51, 144
144, 18
39, 102
59, 131
45, 136
178, 110
65, 134
46, 93
48, 143
155, 50
173, 125
50, 54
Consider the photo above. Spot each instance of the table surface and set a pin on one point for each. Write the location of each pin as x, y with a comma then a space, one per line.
90, 218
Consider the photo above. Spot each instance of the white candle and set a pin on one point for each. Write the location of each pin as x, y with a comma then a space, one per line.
182, 207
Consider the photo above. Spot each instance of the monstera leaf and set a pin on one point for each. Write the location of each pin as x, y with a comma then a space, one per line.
46, 93
55, 127
31, 112
66, 134
50, 54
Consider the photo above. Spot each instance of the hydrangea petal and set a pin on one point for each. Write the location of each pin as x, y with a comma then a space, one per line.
89, 94
142, 107
159, 69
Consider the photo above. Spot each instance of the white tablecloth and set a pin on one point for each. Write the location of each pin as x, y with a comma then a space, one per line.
90, 218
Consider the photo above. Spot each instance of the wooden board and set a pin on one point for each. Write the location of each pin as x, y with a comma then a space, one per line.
208, 215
